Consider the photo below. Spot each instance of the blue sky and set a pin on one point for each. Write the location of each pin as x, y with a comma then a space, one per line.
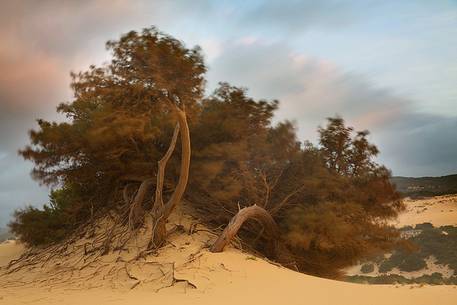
386, 66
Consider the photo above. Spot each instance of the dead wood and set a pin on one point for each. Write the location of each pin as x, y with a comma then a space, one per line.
252, 212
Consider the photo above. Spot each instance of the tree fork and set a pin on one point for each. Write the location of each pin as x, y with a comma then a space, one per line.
161, 211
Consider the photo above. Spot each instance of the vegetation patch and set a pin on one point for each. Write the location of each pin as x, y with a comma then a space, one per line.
367, 268
432, 279
439, 242
141, 136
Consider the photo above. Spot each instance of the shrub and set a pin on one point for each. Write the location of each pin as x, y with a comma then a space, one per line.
48, 225
412, 262
367, 268
386, 266
424, 226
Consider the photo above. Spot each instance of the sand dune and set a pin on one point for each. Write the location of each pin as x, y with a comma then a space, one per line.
440, 211
9, 250
232, 277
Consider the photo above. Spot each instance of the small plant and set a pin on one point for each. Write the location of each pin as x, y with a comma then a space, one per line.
367, 268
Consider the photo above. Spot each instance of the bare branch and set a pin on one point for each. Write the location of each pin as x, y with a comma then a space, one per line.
251, 212
273, 185
267, 189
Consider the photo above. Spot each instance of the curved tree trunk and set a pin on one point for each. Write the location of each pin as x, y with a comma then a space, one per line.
161, 211
252, 212
185, 163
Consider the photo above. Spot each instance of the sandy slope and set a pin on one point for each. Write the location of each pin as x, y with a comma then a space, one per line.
232, 277
440, 211
9, 250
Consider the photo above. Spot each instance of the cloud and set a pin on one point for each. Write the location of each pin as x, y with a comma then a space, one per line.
284, 50
41, 42
296, 16
311, 89
420, 144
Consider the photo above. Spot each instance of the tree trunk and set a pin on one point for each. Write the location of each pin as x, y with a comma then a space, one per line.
136, 210
161, 211
252, 212
185, 163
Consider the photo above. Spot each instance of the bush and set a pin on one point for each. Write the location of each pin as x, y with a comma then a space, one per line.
433, 279
424, 226
386, 266
48, 225
412, 262
367, 268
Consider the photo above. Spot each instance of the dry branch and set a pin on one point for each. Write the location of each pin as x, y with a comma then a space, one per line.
253, 212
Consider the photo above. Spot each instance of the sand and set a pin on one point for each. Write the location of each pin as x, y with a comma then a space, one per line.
231, 277
9, 250
234, 277
440, 211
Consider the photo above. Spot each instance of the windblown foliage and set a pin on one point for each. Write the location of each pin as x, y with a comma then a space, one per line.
330, 201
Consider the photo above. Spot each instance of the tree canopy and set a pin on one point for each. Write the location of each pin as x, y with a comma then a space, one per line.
330, 201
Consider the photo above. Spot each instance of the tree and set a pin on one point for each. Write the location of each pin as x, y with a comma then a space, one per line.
317, 208
335, 141
326, 206
117, 129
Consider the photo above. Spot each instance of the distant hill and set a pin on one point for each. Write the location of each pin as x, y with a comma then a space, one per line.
426, 186
5, 234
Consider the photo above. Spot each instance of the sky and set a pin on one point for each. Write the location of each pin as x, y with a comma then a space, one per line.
387, 66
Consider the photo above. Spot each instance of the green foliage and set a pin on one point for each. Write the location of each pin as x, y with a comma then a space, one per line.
443, 246
118, 127
50, 224
119, 110
412, 262
438, 242
386, 266
432, 279
367, 268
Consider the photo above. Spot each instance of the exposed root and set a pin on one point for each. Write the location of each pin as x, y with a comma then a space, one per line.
109, 253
